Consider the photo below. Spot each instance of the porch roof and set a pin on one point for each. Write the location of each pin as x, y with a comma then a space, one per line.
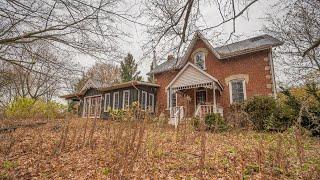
193, 77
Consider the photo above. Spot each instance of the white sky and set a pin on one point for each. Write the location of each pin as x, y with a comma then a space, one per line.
246, 26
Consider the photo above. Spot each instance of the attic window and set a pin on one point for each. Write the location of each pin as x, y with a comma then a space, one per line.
199, 60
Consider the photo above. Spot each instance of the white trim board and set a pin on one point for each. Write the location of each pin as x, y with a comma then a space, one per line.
123, 99
198, 69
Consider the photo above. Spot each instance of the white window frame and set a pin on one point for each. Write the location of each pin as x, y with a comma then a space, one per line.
87, 113
105, 101
243, 86
123, 99
114, 97
168, 99
145, 95
151, 106
204, 59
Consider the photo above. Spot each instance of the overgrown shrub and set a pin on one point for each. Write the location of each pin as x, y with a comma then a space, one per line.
195, 122
238, 118
260, 110
306, 100
214, 122
27, 108
117, 114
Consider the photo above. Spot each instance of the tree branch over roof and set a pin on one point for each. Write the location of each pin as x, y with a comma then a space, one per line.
315, 45
172, 23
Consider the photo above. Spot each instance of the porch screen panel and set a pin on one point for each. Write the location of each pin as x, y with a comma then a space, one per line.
107, 101
144, 100
93, 106
98, 106
151, 102
126, 97
86, 106
115, 100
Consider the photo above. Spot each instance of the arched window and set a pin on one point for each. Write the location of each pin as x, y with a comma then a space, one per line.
199, 60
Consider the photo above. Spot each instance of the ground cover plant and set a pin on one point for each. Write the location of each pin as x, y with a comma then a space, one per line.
139, 147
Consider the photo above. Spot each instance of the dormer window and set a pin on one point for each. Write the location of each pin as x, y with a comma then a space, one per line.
199, 60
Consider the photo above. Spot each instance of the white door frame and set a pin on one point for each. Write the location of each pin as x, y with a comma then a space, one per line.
195, 97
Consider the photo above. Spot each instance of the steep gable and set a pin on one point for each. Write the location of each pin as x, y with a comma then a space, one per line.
246, 46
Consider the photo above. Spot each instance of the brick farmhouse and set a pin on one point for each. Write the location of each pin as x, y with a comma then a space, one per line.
204, 79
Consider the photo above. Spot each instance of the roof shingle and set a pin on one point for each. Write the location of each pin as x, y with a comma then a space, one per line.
250, 45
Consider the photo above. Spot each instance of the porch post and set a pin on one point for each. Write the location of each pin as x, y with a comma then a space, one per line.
214, 97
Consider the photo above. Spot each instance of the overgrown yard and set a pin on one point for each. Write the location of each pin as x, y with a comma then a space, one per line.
82, 149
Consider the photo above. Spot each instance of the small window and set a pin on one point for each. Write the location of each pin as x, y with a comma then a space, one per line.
116, 104
199, 60
107, 102
144, 100
237, 91
173, 99
126, 97
151, 102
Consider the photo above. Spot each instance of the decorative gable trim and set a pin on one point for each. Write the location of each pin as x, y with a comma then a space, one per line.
199, 70
89, 84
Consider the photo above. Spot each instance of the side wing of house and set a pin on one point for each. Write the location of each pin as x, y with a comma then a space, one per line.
98, 102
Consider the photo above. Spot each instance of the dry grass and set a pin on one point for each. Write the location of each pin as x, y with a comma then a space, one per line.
85, 149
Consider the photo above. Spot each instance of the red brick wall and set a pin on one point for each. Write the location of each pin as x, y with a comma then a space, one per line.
163, 80
252, 64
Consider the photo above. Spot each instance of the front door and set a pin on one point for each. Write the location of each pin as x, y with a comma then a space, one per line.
201, 96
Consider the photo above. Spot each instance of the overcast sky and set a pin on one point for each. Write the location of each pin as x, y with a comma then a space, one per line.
247, 26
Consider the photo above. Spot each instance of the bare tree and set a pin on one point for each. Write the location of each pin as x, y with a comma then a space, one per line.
298, 27
82, 26
173, 22
103, 72
39, 77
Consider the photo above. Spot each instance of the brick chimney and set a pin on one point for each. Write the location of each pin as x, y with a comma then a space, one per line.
170, 57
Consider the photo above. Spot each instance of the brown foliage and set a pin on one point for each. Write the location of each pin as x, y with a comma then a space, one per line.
140, 148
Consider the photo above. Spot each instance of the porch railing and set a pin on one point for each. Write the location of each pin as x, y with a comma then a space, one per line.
202, 110
176, 115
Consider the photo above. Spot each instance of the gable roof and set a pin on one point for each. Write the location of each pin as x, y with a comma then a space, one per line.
246, 46
100, 87
193, 75
89, 84
127, 84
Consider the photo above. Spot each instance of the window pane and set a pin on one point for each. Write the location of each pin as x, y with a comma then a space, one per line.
93, 106
237, 91
174, 99
126, 99
98, 105
199, 60
151, 102
200, 97
116, 100
144, 100
107, 100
